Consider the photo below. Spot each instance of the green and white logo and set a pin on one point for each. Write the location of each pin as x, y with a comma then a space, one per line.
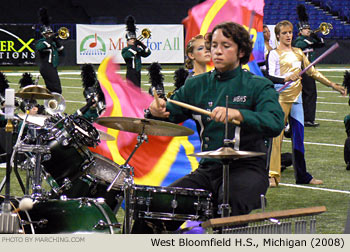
92, 45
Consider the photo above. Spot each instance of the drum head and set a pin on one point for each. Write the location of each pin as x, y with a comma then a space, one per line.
106, 170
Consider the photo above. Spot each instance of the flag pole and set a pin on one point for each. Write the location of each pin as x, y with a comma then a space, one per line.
330, 50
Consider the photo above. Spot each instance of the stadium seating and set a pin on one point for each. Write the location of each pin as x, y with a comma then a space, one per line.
335, 12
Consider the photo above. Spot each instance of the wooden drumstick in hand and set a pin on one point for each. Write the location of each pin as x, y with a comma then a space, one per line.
199, 110
156, 98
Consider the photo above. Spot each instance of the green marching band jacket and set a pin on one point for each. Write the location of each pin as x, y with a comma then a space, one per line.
254, 96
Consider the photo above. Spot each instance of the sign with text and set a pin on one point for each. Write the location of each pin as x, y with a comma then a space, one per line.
95, 42
17, 45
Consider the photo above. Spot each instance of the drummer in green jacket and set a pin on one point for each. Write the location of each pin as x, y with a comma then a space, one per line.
254, 114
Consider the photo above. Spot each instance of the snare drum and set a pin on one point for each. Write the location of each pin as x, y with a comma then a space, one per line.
94, 184
105, 170
171, 203
60, 216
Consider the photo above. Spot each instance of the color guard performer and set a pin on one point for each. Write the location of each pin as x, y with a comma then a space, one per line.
283, 65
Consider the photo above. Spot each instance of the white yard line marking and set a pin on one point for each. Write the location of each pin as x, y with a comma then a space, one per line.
324, 111
80, 102
315, 188
35, 73
333, 103
322, 144
332, 69
329, 120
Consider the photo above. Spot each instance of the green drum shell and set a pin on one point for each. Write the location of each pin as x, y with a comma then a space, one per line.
171, 203
78, 216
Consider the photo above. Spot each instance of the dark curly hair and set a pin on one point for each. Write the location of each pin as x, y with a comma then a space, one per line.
238, 34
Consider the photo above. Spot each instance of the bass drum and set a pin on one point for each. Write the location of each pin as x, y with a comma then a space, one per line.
66, 216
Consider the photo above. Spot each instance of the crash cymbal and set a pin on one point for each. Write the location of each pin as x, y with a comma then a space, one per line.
34, 92
227, 153
105, 136
143, 125
34, 119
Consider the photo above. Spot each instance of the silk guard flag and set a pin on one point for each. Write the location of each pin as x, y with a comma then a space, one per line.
202, 18
161, 160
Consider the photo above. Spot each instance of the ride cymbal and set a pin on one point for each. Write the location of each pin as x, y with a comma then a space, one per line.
227, 153
143, 125
34, 92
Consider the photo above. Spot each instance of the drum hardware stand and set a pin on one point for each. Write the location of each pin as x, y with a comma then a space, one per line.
127, 187
224, 208
128, 183
9, 223
140, 139
37, 189
101, 225
41, 223
18, 142
120, 201
19, 179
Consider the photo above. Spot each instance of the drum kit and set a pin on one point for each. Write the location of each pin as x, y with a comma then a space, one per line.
85, 190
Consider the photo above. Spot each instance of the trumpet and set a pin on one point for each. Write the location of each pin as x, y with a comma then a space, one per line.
324, 28
63, 33
145, 34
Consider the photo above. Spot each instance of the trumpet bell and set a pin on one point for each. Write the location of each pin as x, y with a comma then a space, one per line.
145, 34
324, 28
56, 105
63, 33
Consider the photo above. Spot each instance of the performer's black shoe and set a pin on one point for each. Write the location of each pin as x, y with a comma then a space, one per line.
348, 166
311, 124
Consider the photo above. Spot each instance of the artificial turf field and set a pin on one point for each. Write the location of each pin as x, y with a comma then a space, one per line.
323, 146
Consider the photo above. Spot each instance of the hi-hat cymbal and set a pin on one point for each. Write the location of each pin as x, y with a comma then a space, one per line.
38, 120
105, 136
143, 125
227, 153
34, 92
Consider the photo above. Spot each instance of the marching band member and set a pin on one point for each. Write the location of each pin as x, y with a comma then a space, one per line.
133, 52
283, 65
49, 49
308, 41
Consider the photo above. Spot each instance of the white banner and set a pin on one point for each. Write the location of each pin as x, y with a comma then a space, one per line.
95, 42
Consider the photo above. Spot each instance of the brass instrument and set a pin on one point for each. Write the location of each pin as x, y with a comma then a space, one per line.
55, 105
324, 28
63, 33
145, 34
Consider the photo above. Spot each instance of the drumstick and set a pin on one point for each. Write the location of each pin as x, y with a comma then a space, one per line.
156, 98
199, 110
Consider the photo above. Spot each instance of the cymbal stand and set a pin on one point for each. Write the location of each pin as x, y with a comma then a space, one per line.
9, 223
16, 147
128, 183
225, 206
